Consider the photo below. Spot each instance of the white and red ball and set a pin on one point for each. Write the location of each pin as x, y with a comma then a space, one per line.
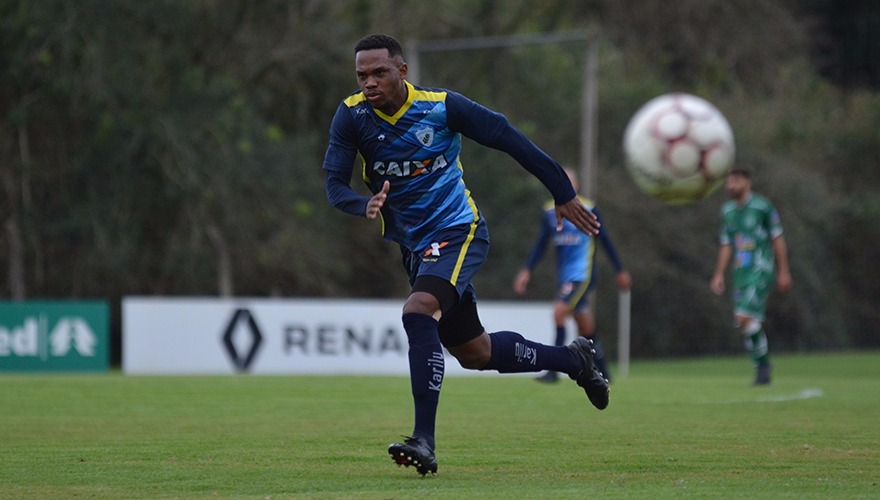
678, 148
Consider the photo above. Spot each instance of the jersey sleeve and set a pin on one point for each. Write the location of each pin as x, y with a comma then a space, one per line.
774, 223
545, 233
494, 130
608, 243
724, 237
339, 163
342, 147
342, 196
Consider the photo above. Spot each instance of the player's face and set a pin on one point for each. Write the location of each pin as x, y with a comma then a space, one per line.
381, 79
737, 186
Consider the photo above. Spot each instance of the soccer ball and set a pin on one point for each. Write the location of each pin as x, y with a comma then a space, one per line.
678, 148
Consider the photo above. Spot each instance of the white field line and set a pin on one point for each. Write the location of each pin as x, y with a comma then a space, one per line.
808, 393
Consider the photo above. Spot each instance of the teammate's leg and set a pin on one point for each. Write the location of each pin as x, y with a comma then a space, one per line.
560, 315
573, 300
586, 324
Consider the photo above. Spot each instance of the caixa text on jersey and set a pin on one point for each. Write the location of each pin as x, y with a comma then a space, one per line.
409, 168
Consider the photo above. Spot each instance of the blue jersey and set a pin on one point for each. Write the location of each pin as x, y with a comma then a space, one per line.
575, 251
418, 151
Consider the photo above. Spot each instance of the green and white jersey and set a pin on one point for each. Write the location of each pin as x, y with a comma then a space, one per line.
750, 229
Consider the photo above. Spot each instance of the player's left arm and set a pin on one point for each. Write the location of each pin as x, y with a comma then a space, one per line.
494, 130
783, 273
545, 234
521, 281
623, 278
780, 250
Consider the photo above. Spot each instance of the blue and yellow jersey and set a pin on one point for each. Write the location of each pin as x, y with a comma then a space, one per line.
418, 151
575, 251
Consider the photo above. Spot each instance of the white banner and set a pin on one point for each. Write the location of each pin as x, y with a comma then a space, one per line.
290, 336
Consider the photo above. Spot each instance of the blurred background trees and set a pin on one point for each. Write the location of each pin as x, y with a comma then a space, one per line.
174, 148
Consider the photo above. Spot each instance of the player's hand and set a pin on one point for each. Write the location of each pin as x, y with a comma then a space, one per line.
624, 280
521, 282
377, 201
717, 284
783, 282
579, 215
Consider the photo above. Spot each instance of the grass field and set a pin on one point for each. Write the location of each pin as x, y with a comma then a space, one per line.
691, 428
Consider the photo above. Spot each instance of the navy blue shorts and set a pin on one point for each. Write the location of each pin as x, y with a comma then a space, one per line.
454, 258
575, 294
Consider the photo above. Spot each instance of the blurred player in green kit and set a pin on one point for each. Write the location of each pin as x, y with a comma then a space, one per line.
751, 235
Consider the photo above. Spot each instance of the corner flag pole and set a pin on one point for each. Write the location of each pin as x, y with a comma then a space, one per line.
623, 340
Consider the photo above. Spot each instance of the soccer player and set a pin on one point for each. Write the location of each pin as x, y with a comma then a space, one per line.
408, 140
751, 234
575, 274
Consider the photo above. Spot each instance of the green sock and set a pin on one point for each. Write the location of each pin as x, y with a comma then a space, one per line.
758, 348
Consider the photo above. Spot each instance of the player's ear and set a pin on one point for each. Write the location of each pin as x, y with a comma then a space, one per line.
403, 68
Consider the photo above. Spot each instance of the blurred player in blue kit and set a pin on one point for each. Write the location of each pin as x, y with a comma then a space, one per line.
408, 141
576, 275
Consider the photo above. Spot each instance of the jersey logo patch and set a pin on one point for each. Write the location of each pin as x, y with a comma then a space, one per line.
425, 136
435, 249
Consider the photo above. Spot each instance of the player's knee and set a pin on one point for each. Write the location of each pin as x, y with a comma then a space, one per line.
473, 361
749, 326
474, 355
421, 303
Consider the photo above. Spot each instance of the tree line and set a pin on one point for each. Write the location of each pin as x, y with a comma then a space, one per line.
174, 148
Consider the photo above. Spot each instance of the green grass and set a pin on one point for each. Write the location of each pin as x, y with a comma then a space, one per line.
691, 428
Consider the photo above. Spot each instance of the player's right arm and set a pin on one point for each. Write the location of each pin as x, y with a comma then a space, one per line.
338, 163
724, 253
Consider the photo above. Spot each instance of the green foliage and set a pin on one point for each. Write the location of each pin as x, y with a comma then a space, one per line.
687, 428
175, 147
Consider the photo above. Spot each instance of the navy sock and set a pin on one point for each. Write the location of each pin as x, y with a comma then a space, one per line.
560, 335
426, 368
512, 353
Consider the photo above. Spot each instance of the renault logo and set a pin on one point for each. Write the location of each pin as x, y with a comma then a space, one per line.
242, 323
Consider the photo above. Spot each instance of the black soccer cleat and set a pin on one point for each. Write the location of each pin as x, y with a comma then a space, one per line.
589, 377
416, 452
762, 375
